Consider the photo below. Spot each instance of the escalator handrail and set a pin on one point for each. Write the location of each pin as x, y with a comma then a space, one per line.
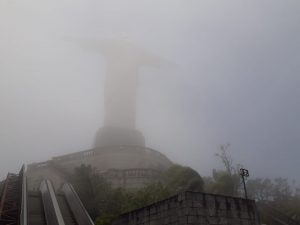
81, 215
23, 214
51, 208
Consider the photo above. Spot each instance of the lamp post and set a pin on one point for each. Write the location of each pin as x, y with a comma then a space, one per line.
244, 173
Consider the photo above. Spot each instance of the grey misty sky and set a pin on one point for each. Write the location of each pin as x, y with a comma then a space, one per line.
235, 78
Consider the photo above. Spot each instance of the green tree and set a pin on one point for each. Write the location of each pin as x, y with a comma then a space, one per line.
227, 181
180, 178
260, 189
226, 158
106, 203
224, 183
290, 207
149, 194
83, 181
281, 189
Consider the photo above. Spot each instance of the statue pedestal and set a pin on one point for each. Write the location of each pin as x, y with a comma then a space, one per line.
115, 136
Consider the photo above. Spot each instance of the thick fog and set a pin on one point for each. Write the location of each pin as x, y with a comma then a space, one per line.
229, 73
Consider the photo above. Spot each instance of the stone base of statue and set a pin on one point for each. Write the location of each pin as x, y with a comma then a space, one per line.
116, 136
123, 166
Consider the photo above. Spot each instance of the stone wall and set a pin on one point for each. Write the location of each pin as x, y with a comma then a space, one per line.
194, 208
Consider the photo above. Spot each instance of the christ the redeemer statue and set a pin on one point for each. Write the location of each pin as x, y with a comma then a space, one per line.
123, 61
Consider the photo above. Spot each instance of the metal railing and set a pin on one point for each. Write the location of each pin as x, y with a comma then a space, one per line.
10, 202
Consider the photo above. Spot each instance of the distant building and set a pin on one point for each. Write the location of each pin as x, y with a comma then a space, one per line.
123, 166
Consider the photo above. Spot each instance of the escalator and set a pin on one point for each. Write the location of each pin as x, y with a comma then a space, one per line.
63, 207
18, 206
35, 209
67, 214
47, 207
75, 205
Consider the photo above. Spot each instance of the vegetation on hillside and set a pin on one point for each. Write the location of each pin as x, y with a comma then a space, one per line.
105, 203
227, 181
277, 192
